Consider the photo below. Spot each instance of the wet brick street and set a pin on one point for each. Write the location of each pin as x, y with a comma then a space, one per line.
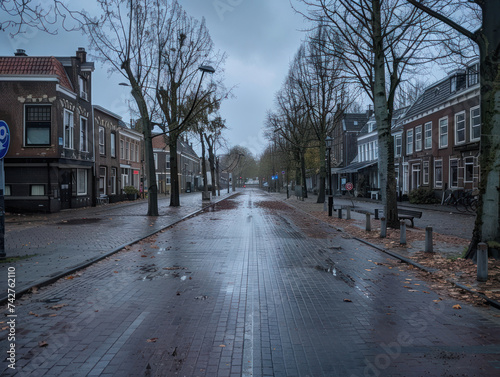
250, 288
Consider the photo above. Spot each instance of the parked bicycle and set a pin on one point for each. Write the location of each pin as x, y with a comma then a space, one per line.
464, 201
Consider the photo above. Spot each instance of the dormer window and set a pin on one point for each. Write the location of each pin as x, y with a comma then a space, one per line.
457, 81
84, 90
473, 74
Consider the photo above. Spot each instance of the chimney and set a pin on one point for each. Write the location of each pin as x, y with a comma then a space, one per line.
82, 54
369, 112
20, 52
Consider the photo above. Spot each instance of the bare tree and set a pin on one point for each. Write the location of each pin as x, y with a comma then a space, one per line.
316, 73
183, 51
128, 38
48, 16
487, 37
380, 41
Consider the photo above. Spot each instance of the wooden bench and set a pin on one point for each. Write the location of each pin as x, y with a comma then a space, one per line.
406, 214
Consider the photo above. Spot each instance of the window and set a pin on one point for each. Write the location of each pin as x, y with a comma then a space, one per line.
460, 128
137, 146
8, 190
113, 144
168, 180
102, 140
81, 181
398, 143
438, 173
37, 125
69, 128
475, 124
127, 150
473, 74
37, 190
375, 149
167, 161
122, 152
426, 173
443, 133
102, 180
453, 173
428, 135
409, 142
84, 90
156, 160
418, 138
469, 169
113, 181
84, 146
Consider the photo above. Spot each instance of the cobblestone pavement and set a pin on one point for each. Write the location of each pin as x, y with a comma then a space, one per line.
252, 288
55, 243
433, 215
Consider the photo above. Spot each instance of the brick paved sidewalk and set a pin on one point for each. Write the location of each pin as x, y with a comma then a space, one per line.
447, 246
52, 245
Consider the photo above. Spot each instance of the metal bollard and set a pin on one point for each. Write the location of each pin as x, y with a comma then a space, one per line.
368, 223
330, 205
383, 227
348, 213
402, 231
428, 239
482, 262
376, 214
340, 212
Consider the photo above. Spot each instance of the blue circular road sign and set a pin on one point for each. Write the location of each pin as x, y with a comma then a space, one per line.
4, 138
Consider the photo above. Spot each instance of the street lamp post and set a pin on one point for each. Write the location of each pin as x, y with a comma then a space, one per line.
328, 142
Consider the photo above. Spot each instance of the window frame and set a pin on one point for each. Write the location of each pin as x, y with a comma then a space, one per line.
428, 138
37, 185
425, 173
472, 126
469, 162
396, 138
457, 142
69, 138
113, 144
84, 139
78, 182
450, 167
438, 184
418, 138
37, 124
441, 134
409, 143
102, 141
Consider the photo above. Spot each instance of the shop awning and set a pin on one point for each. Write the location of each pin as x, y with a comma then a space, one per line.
357, 166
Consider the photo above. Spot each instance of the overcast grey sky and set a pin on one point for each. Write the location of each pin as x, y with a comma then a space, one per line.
260, 38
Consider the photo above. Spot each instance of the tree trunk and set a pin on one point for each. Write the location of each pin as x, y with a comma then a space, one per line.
148, 141
487, 225
211, 161
174, 172
322, 172
383, 118
203, 163
304, 178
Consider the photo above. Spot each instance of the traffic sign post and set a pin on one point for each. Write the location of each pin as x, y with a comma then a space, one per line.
4, 147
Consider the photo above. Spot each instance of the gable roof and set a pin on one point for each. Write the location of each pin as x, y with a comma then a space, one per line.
35, 66
354, 122
441, 91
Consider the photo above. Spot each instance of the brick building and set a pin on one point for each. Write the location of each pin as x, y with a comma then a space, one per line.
46, 101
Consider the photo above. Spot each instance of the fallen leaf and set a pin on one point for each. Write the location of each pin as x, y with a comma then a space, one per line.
457, 306
57, 307
152, 340
347, 300
69, 277
367, 269
43, 344
222, 345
